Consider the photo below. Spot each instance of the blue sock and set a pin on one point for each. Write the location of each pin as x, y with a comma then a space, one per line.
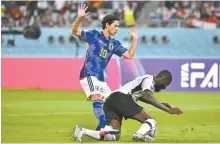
99, 113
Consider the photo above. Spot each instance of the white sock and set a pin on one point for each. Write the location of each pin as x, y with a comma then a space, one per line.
95, 134
145, 127
92, 133
109, 137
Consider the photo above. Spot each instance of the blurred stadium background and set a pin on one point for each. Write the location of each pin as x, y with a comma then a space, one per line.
42, 99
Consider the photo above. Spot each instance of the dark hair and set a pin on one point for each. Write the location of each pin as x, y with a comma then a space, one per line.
165, 74
109, 18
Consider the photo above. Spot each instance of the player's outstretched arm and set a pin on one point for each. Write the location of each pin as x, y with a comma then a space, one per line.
134, 38
81, 13
148, 98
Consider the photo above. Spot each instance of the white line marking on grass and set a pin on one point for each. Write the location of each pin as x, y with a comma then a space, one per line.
185, 108
82, 113
42, 114
207, 108
110, 142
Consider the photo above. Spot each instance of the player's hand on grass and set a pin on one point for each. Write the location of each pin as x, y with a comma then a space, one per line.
176, 111
82, 10
133, 33
167, 105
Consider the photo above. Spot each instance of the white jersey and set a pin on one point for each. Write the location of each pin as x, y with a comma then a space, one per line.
138, 85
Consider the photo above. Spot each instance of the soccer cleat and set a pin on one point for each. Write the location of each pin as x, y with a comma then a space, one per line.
152, 132
108, 130
140, 137
78, 133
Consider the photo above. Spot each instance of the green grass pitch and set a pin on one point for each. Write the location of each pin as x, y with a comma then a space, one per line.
49, 116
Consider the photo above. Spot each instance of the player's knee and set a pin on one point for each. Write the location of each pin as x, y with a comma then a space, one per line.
95, 97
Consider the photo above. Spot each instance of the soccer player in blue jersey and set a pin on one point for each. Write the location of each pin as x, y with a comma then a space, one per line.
101, 48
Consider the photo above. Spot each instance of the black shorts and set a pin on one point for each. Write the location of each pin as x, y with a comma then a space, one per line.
120, 105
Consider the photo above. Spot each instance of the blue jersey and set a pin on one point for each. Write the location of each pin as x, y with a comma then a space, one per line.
99, 53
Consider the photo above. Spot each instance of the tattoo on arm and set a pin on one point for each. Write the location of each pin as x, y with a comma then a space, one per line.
148, 98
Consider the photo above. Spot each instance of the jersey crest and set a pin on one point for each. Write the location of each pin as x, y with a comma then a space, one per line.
110, 46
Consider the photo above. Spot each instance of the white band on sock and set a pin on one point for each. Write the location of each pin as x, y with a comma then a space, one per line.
109, 137
152, 122
146, 126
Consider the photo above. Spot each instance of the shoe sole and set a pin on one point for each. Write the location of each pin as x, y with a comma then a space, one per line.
102, 133
145, 138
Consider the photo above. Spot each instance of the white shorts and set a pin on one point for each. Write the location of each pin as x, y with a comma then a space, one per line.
92, 86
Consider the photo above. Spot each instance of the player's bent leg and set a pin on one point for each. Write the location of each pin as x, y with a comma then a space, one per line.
98, 109
146, 132
99, 112
148, 128
91, 87
115, 124
79, 132
114, 121
112, 129
142, 116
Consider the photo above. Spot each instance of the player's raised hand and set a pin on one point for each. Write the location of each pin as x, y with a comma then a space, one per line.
133, 33
82, 10
176, 111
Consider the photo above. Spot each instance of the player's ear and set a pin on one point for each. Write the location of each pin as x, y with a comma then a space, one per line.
162, 81
107, 25
165, 81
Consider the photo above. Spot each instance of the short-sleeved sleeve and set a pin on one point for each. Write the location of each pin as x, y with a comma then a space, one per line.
88, 35
148, 84
119, 49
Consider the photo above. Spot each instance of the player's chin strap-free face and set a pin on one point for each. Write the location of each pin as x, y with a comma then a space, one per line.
161, 85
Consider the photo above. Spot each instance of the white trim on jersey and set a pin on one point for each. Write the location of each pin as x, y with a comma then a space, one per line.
139, 84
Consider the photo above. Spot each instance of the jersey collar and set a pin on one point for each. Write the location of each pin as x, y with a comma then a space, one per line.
104, 36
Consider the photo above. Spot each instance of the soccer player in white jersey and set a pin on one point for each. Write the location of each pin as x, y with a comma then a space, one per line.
123, 103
